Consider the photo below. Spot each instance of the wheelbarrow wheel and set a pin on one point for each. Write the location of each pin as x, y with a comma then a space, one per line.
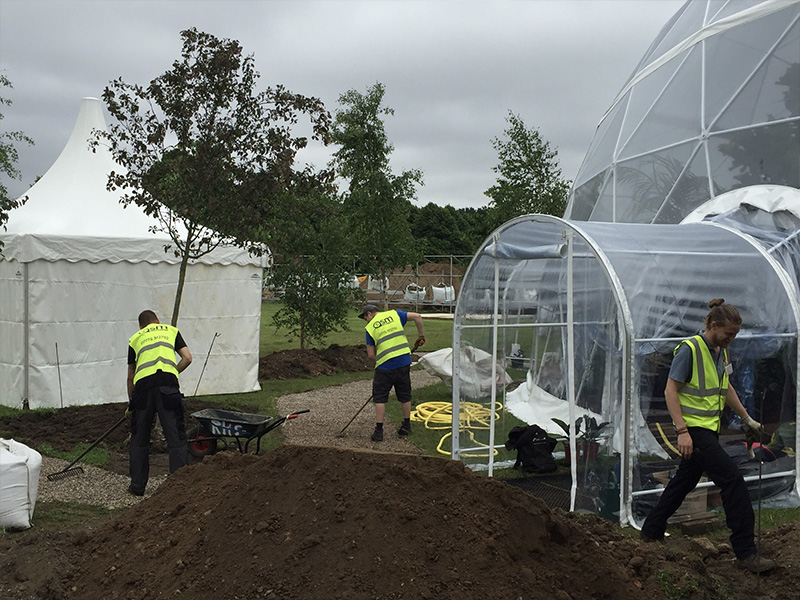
198, 446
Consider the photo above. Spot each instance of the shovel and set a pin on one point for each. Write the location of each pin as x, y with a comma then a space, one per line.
69, 471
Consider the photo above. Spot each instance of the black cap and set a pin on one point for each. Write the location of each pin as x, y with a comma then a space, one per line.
367, 308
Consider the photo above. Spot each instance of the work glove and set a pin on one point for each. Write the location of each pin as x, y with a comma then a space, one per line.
752, 424
419, 342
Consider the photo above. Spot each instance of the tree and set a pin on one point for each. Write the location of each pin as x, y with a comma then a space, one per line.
203, 150
529, 176
377, 203
442, 230
313, 262
8, 161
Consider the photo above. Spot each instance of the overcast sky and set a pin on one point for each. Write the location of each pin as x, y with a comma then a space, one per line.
452, 69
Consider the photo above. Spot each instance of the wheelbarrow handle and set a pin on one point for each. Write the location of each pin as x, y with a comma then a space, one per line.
297, 412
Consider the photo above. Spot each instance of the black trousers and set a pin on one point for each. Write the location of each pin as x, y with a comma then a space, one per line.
149, 403
711, 458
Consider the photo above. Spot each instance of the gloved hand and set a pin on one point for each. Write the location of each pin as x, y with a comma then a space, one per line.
420, 341
752, 424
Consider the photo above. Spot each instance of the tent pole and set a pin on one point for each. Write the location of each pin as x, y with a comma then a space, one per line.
26, 310
573, 446
495, 317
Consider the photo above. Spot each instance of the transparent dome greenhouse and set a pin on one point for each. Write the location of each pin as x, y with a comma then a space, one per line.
578, 321
714, 105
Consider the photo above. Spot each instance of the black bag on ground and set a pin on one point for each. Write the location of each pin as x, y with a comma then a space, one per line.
534, 449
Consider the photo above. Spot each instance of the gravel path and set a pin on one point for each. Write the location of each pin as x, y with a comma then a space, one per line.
93, 486
331, 408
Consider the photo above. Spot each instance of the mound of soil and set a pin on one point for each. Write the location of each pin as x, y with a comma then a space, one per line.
297, 364
319, 523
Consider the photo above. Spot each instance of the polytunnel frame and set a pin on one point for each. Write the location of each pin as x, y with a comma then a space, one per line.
629, 340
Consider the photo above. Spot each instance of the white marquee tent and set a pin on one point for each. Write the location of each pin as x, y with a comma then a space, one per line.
77, 268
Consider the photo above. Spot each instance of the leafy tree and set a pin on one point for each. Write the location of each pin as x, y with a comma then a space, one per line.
313, 263
477, 226
529, 176
442, 230
8, 161
203, 150
377, 202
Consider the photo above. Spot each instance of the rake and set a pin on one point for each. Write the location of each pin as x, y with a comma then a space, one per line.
341, 433
71, 470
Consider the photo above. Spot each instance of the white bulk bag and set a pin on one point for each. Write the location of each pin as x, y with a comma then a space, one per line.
19, 484
444, 293
475, 372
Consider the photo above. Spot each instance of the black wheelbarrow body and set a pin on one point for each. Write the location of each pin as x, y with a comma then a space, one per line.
219, 424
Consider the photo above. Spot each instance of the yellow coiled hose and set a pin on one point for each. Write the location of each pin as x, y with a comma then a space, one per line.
439, 415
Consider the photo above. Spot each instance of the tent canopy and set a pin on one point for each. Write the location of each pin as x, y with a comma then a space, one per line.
78, 268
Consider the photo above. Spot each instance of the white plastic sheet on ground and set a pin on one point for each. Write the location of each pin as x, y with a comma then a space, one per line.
19, 484
533, 405
475, 381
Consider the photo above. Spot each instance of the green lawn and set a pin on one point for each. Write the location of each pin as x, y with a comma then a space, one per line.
438, 332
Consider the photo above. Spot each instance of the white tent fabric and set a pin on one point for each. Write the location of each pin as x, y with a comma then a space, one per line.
768, 198
77, 268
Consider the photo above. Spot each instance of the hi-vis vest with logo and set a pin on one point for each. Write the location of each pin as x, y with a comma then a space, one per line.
155, 350
390, 339
702, 398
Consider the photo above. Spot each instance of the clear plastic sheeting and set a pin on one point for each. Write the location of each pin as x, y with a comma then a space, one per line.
712, 106
584, 316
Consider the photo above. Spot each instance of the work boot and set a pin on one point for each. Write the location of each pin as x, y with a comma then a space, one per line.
756, 564
134, 492
646, 538
377, 435
405, 429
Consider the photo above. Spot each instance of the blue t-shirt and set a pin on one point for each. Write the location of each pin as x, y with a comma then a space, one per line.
403, 360
682, 365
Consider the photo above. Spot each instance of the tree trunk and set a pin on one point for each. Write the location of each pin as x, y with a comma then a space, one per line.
181, 280
384, 290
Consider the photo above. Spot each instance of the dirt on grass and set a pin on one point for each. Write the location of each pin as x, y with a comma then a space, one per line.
314, 522
296, 364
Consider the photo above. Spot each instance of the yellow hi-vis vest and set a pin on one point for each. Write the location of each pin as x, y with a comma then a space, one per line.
154, 346
390, 339
702, 398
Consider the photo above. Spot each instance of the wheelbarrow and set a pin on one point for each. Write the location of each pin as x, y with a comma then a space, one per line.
219, 425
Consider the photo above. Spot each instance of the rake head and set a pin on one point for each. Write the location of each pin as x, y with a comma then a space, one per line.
65, 474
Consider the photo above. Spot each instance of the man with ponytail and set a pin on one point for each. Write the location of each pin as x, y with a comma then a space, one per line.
697, 391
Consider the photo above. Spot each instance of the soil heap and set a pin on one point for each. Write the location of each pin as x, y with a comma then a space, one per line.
321, 523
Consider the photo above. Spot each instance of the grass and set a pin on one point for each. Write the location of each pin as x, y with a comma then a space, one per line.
97, 457
438, 333
676, 587
59, 515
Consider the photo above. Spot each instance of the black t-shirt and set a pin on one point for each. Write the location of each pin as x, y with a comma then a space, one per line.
159, 377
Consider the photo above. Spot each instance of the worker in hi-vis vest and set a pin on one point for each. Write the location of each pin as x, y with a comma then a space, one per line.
153, 389
388, 347
697, 391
